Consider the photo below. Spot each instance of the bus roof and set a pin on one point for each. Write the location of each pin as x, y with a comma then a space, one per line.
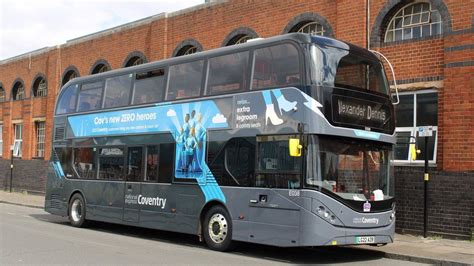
296, 37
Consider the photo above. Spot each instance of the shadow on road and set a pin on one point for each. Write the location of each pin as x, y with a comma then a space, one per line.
314, 255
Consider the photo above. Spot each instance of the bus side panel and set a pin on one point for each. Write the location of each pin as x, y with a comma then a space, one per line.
272, 220
55, 201
104, 199
178, 210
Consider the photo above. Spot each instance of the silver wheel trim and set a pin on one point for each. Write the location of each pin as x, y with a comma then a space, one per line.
76, 210
220, 220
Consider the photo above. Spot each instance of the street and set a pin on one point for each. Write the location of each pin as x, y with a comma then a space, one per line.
32, 236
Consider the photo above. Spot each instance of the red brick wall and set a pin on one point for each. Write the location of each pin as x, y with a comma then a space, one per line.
210, 26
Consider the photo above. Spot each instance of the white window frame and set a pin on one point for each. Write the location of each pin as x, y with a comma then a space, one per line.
313, 28
40, 138
17, 142
401, 15
414, 130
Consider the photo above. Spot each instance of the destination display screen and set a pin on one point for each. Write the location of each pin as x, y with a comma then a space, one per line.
360, 113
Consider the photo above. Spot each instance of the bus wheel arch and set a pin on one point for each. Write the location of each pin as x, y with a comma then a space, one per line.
215, 226
77, 209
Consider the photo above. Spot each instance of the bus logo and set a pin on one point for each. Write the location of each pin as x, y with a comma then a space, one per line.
367, 206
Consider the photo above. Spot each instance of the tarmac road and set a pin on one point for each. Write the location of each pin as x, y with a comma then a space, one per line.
32, 236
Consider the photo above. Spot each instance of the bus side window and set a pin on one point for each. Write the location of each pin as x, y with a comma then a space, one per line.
233, 162
159, 163
185, 80
117, 91
149, 86
64, 156
111, 163
276, 66
85, 162
67, 103
90, 96
228, 73
135, 164
152, 163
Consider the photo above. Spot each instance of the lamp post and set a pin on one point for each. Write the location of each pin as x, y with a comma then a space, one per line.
11, 166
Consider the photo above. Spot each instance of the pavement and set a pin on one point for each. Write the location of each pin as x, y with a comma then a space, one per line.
437, 251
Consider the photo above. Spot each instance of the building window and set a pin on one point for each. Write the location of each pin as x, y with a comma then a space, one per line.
2, 94
414, 21
135, 61
18, 140
187, 50
414, 111
71, 74
1, 140
40, 136
313, 28
18, 91
239, 39
100, 66
40, 87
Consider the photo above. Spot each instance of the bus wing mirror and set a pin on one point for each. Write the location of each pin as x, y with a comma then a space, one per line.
295, 147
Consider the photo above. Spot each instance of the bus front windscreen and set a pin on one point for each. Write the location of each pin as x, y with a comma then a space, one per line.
354, 171
334, 67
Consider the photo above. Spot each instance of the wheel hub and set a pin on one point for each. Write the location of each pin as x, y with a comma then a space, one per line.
76, 210
218, 228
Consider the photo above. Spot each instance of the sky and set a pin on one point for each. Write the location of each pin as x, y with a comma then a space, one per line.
28, 25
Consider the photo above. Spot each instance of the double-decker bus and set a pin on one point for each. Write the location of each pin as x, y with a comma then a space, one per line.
285, 141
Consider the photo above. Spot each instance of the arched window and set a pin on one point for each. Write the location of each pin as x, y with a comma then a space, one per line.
239, 35
100, 66
134, 59
187, 47
70, 73
40, 87
313, 28
2, 94
414, 21
311, 23
18, 91
187, 50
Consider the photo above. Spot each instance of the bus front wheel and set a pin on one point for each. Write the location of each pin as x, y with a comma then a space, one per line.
218, 229
77, 211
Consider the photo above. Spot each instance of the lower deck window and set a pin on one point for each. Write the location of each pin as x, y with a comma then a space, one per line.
85, 163
111, 163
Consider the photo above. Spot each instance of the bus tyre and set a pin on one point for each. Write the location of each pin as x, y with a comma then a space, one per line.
77, 211
218, 229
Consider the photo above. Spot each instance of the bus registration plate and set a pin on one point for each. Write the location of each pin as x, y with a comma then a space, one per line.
365, 239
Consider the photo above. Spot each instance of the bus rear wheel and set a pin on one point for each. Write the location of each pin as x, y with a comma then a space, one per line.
77, 211
218, 229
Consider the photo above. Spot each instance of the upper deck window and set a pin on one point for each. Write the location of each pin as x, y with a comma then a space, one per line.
228, 73
117, 91
185, 80
276, 66
339, 68
149, 86
67, 100
90, 96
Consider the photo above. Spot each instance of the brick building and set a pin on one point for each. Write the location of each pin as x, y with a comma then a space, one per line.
430, 43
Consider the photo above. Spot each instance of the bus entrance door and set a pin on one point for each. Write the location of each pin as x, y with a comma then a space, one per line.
131, 207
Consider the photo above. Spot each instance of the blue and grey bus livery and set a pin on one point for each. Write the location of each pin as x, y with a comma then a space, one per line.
216, 162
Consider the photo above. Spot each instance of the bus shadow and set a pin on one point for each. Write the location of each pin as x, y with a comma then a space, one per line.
315, 255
